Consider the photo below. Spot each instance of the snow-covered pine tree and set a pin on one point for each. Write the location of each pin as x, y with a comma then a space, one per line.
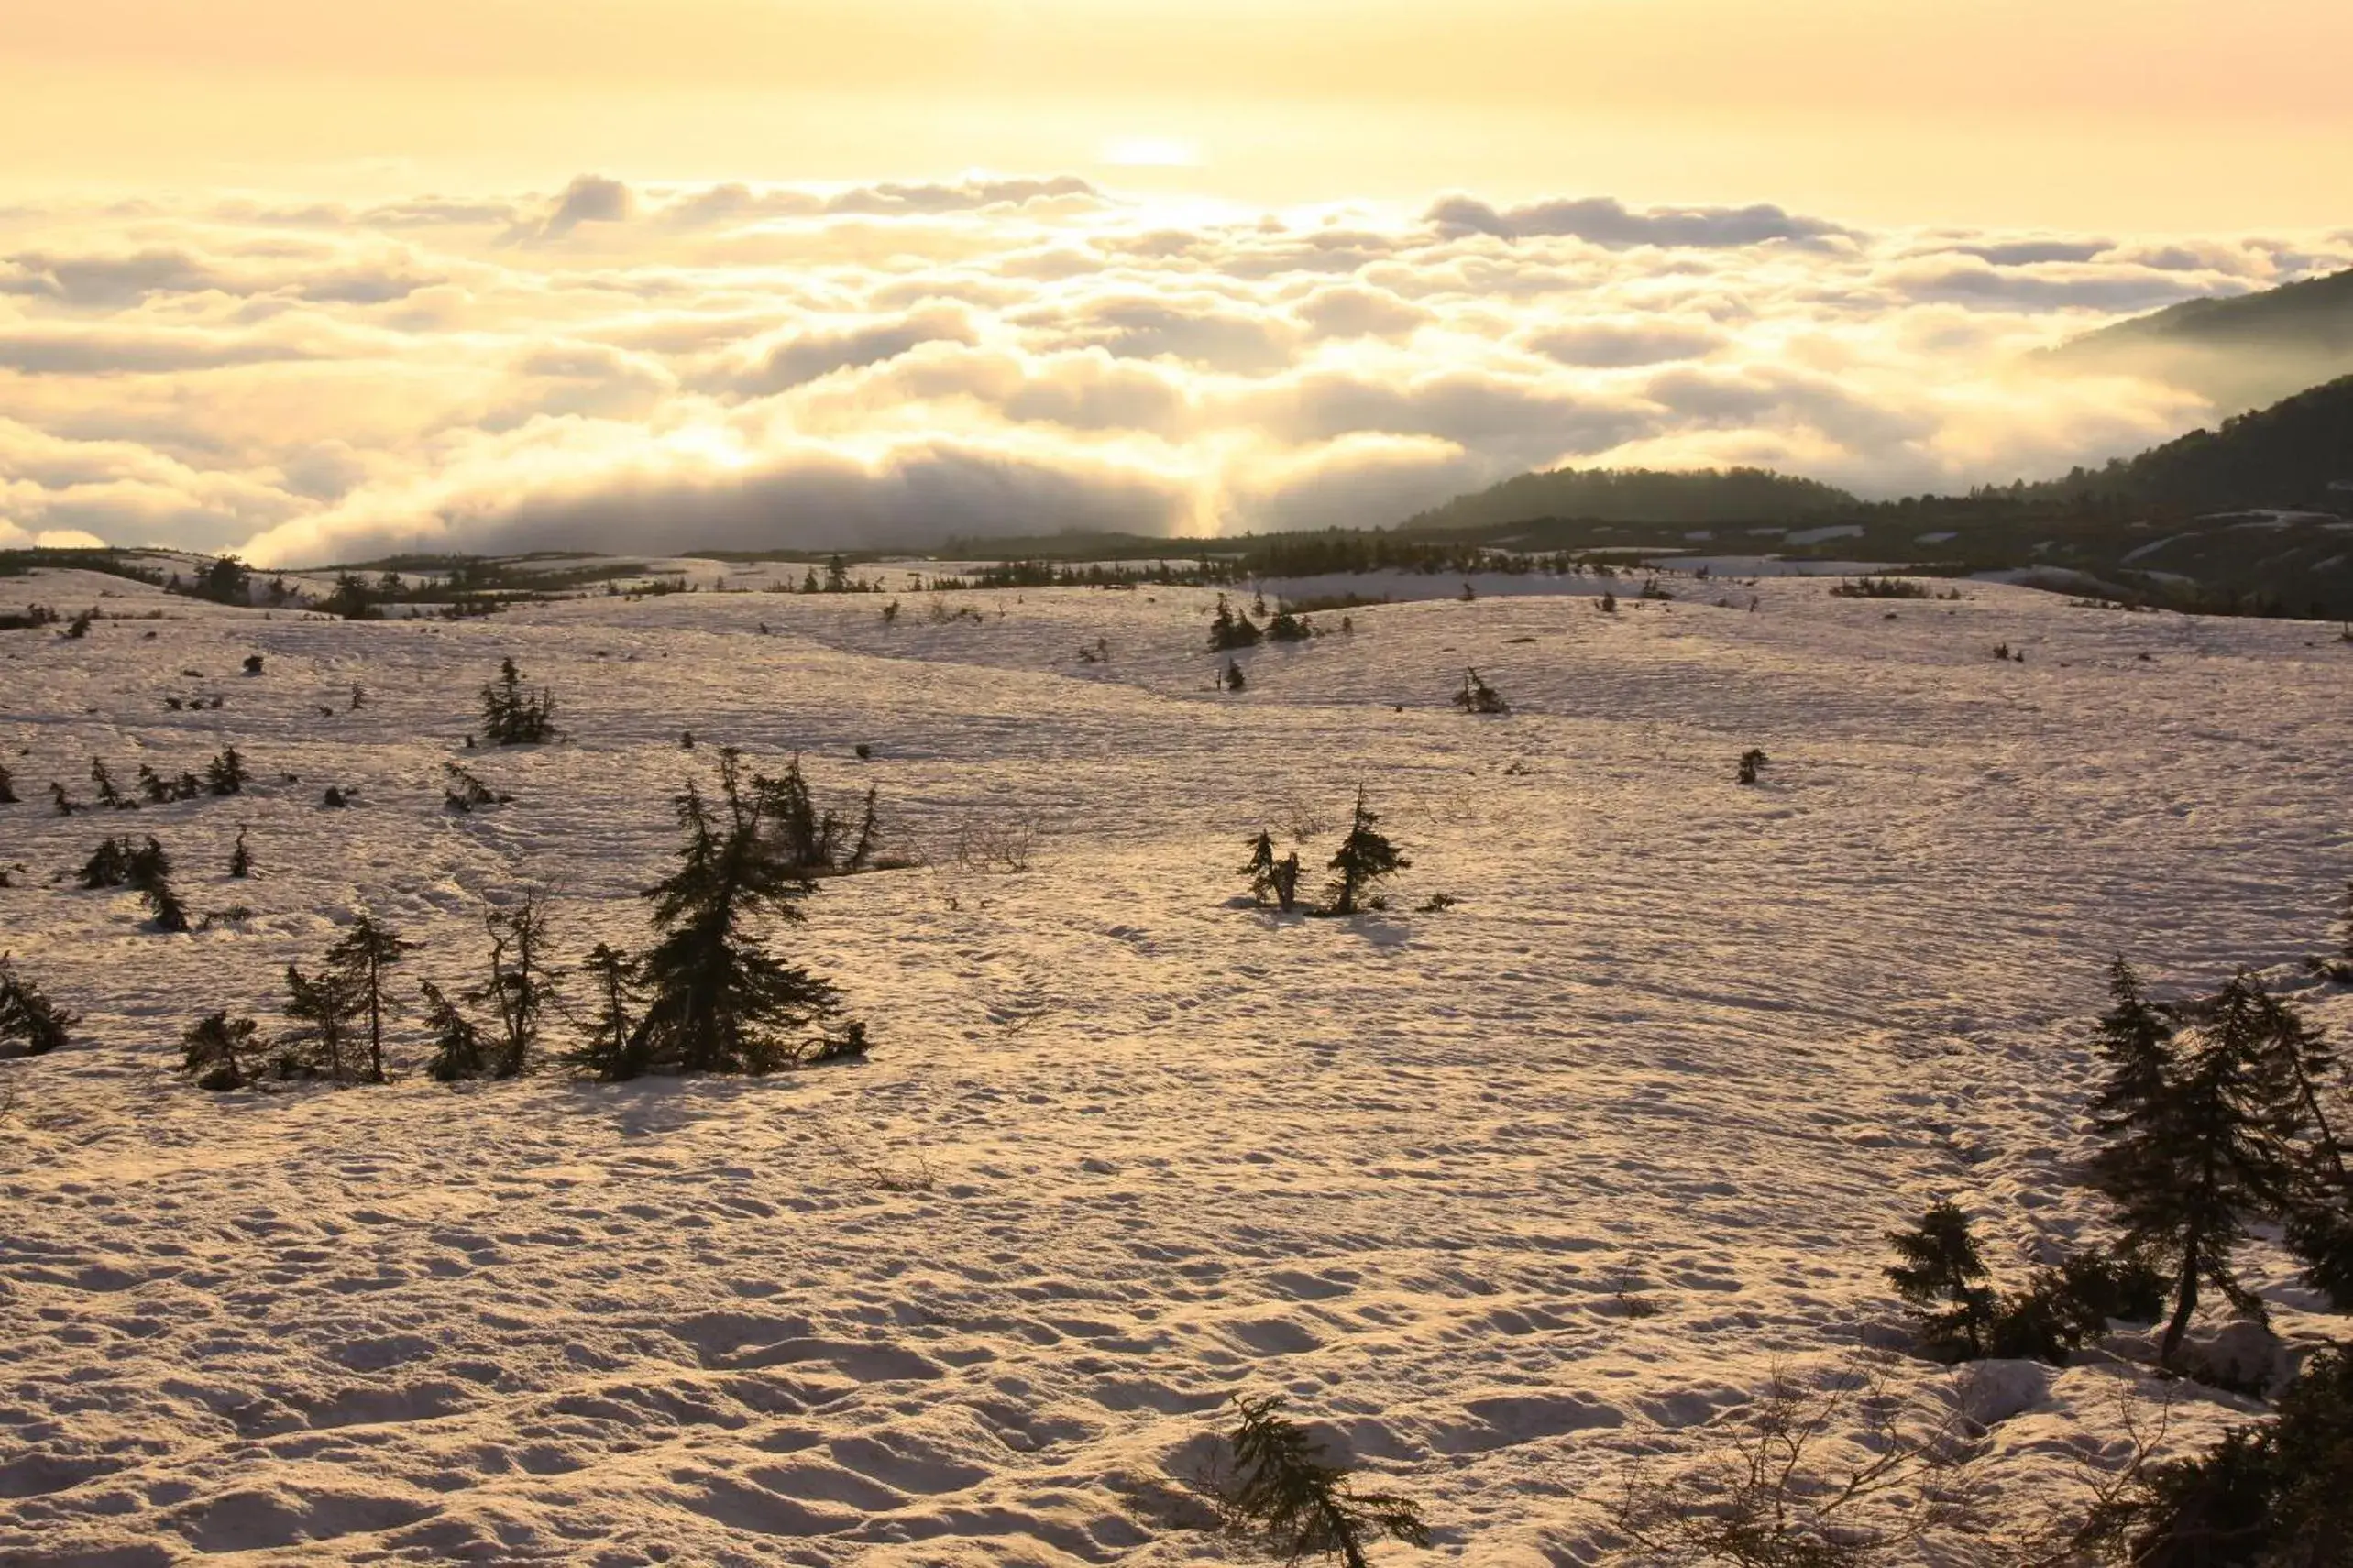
2194, 1156
1363, 859
1942, 1277
719, 1001
458, 1051
30, 1024
610, 1049
358, 962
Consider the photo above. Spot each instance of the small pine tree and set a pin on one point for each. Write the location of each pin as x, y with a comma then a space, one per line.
1608, 602
225, 774
458, 1051
152, 785
1228, 631
30, 1024
791, 818
1303, 1503
1752, 761
79, 627
8, 789
149, 871
325, 1009
721, 1001
1477, 696
109, 865
65, 805
1235, 680
1363, 859
1942, 1277
221, 1052
2195, 1154
513, 716
240, 857
358, 962
869, 840
1261, 869
108, 795
611, 1048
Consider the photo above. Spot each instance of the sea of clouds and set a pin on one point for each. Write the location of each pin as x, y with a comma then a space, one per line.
666, 368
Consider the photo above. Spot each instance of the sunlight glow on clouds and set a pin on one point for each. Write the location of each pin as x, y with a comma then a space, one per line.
642, 365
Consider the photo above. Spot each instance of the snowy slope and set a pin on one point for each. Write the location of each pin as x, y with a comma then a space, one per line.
1679, 1041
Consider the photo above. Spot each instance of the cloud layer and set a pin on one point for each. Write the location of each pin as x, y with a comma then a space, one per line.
664, 367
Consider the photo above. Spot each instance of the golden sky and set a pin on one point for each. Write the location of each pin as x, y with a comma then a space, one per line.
317, 280
2152, 114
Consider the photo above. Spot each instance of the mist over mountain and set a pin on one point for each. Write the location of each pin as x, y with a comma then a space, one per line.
2239, 351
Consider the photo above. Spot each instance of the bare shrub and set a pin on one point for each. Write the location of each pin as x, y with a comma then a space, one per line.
1845, 1473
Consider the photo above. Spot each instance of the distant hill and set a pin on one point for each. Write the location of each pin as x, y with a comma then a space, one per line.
2296, 455
1699, 498
2240, 353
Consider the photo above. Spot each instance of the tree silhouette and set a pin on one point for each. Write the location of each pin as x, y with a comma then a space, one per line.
1364, 857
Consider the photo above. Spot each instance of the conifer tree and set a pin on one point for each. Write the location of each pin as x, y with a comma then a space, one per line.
65, 807
1752, 762
221, 1052
29, 1022
1477, 696
869, 834
1364, 857
1286, 881
2194, 1156
513, 716
7, 787
719, 1001
523, 984
225, 774
611, 1049
109, 865
1301, 1501
325, 1009
107, 793
1941, 1276
1235, 680
1229, 630
458, 1051
358, 962
149, 871
152, 786
1261, 869
240, 857
791, 818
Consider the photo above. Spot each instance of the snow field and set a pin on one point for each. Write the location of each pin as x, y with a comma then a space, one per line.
1124, 1149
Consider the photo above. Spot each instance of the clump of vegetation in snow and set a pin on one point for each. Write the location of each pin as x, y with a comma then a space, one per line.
1270, 877
513, 716
1229, 630
1752, 761
1941, 1275
1477, 696
30, 1024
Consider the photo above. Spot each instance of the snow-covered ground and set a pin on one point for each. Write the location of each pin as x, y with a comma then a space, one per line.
1680, 1042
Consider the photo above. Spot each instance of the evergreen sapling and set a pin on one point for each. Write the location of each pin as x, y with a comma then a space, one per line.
1364, 857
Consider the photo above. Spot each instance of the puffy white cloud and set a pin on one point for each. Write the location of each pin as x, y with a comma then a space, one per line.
667, 366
